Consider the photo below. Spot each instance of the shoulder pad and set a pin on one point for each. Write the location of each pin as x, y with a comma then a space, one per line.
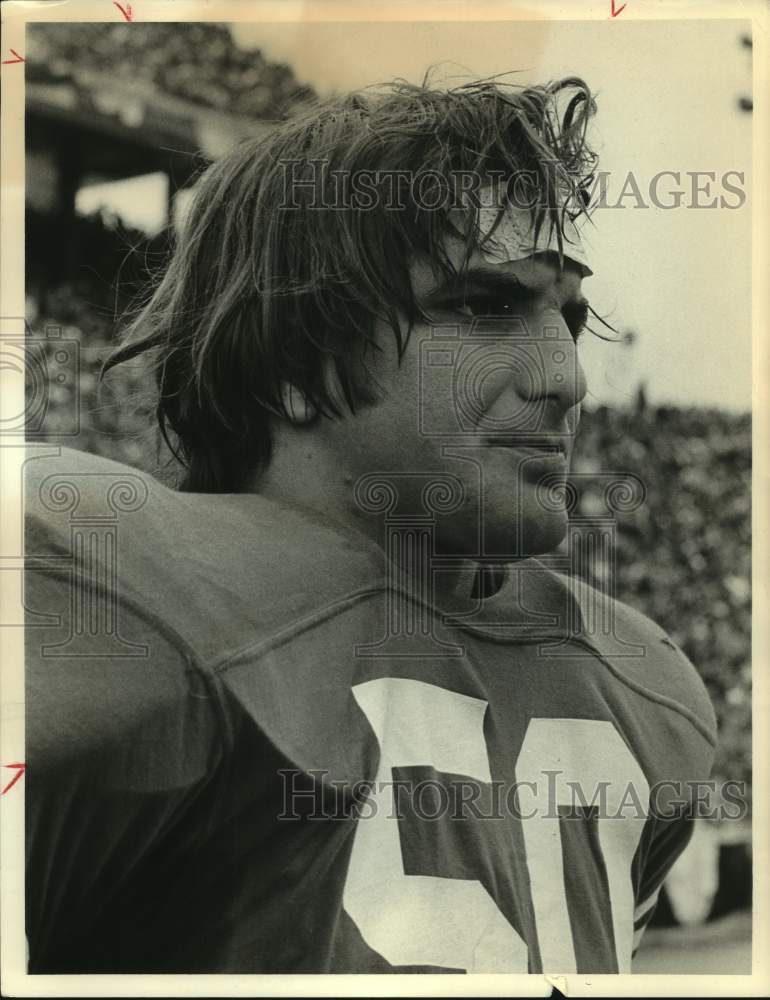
222, 570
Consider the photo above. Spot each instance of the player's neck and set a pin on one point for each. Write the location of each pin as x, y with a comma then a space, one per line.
309, 483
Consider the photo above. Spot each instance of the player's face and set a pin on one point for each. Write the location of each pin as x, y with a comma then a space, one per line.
485, 401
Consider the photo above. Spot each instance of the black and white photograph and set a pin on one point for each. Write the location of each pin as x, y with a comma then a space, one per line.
377, 448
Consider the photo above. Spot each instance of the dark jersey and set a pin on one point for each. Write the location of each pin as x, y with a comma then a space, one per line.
247, 752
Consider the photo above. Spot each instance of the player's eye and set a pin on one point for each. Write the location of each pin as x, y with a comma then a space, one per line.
490, 305
575, 313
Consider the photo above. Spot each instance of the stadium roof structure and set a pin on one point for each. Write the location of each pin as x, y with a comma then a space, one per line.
119, 129
112, 101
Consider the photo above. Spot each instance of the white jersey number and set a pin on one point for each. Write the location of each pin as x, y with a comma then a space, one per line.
455, 923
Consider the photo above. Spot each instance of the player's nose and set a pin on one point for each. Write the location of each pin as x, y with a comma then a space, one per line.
553, 370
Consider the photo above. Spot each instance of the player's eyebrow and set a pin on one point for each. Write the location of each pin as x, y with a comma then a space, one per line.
480, 279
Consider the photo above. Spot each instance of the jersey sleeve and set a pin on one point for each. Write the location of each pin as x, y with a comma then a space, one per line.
123, 735
670, 839
676, 805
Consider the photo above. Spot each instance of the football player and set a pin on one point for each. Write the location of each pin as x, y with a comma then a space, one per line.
322, 709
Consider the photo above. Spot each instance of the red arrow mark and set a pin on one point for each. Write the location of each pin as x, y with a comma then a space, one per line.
125, 11
614, 13
10, 62
20, 769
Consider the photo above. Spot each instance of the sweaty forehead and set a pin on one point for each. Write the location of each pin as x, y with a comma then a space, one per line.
540, 270
511, 237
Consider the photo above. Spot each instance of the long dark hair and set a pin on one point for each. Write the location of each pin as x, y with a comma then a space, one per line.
271, 278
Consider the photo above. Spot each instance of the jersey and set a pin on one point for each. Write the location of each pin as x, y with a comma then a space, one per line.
248, 752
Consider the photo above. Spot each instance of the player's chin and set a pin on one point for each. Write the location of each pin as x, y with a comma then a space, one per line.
532, 526
508, 519
532, 536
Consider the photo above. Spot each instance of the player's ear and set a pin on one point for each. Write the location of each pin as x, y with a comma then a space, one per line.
298, 408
